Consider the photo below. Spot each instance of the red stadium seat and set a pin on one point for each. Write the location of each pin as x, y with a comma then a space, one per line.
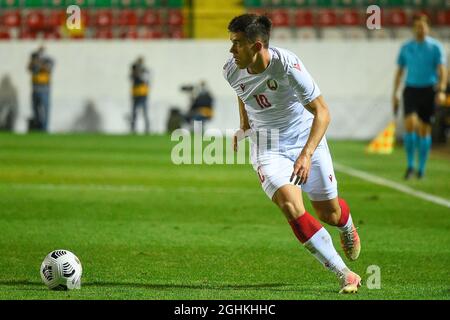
280, 18
35, 20
304, 18
327, 18
27, 34
176, 33
175, 18
11, 19
54, 34
103, 18
397, 18
55, 19
4, 35
151, 18
129, 33
103, 33
443, 18
151, 34
350, 17
127, 18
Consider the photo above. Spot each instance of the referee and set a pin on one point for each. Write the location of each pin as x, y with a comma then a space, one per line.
425, 61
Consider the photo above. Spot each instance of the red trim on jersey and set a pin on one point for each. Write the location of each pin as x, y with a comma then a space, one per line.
305, 227
345, 212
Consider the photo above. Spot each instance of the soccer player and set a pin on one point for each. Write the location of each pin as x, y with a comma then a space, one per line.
276, 92
424, 59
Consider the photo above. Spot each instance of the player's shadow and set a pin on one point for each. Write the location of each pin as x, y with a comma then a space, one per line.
161, 286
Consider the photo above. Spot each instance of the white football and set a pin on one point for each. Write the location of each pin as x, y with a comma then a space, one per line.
61, 270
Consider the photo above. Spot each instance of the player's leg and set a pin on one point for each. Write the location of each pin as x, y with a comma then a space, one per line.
145, 110
46, 108
322, 191
133, 114
425, 114
314, 236
410, 122
336, 212
274, 173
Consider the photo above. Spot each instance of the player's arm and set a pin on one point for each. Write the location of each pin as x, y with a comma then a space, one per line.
442, 84
302, 166
244, 125
397, 81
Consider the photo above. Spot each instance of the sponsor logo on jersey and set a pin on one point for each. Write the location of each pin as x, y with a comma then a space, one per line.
272, 84
242, 87
330, 177
297, 66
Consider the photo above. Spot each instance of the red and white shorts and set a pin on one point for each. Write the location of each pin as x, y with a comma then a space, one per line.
274, 170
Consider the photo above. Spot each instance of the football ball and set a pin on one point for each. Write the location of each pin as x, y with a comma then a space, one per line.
61, 270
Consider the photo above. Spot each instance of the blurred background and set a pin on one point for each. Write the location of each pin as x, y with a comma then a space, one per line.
183, 46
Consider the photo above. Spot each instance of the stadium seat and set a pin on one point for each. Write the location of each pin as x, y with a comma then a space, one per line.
54, 19
103, 33
34, 20
151, 18
303, 18
396, 18
102, 18
129, 33
27, 34
176, 33
327, 18
279, 17
350, 17
353, 26
151, 34
11, 18
5, 35
53, 34
175, 18
442, 26
443, 18
127, 18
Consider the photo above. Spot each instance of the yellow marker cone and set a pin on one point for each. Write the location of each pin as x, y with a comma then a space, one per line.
384, 141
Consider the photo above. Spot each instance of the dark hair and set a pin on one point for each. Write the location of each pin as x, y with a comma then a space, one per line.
253, 26
421, 17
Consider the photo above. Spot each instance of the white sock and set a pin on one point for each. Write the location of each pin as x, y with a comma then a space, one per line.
348, 226
321, 247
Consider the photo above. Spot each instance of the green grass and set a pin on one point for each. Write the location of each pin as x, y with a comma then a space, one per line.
144, 228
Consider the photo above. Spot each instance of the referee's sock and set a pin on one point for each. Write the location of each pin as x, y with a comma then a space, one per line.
409, 140
424, 151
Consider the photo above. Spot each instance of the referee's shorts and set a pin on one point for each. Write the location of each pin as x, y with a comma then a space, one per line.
420, 101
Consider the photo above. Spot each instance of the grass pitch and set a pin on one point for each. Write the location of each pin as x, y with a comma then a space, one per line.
144, 228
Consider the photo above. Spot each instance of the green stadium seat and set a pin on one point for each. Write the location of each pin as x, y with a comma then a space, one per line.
175, 3
9, 4
150, 3
102, 3
34, 3
80, 3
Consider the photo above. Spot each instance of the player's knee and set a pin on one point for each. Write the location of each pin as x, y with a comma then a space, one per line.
291, 210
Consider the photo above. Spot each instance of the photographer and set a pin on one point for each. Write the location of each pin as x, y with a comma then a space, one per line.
40, 67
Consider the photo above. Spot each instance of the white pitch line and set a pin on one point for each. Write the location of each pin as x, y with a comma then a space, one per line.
391, 184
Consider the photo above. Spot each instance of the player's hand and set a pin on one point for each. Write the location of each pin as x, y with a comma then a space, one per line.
301, 169
238, 136
395, 104
440, 98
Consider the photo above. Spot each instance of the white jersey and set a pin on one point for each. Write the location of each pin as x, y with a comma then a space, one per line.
274, 99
